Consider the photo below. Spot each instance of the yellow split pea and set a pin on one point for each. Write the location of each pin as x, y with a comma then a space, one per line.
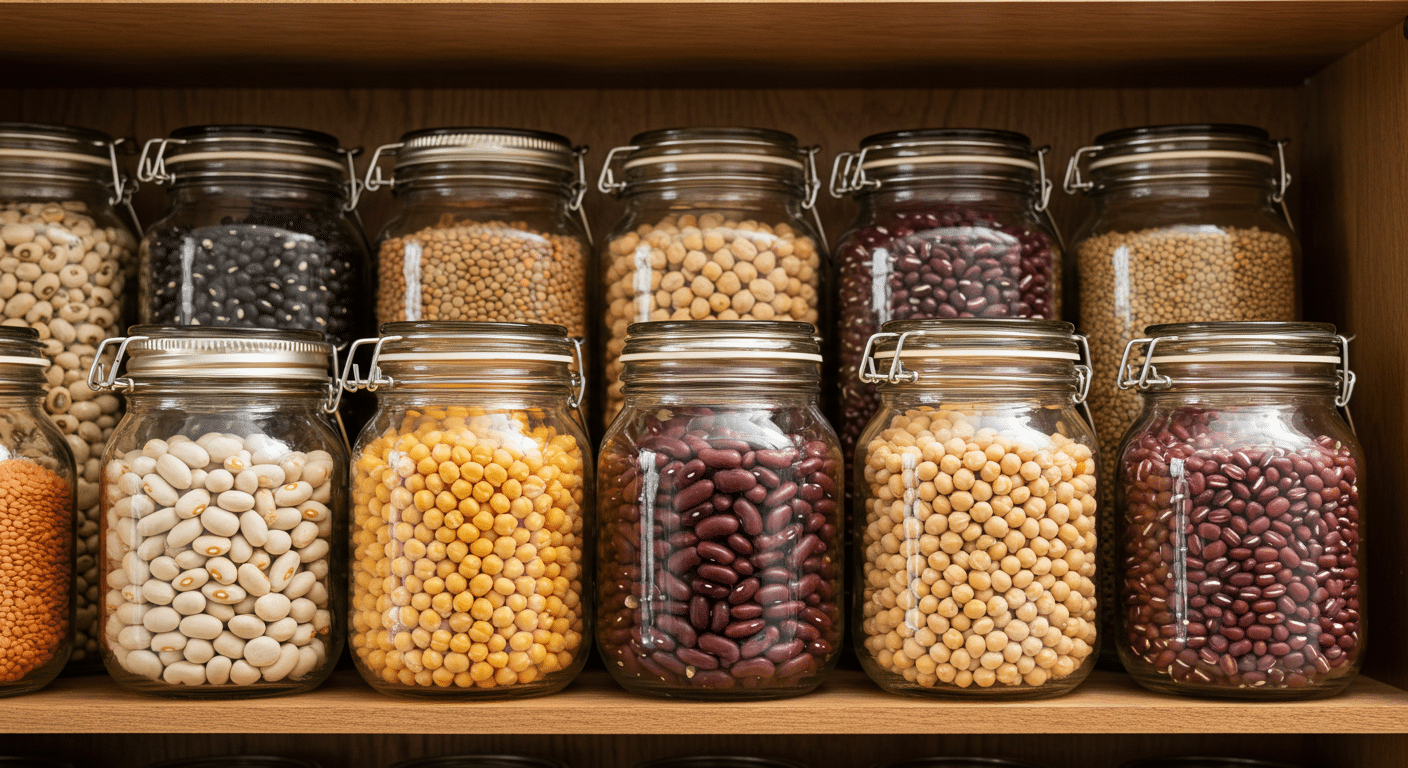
979, 553
467, 567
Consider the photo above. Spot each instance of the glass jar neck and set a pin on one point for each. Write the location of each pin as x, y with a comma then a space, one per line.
527, 195
15, 395
90, 188
1013, 194
774, 194
721, 395
1231, 190
220, 394
312, 192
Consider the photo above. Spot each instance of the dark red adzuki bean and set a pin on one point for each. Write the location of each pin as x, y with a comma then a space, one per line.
1241, 561
958, 263
720, 570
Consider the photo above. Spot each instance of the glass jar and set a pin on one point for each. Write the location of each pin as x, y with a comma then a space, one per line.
256, 234
952, 223
720, 488
471, 488
65, 259
1238, 512
714, 229
37, 474
488, 226
1189, 225
223, 491
977, 487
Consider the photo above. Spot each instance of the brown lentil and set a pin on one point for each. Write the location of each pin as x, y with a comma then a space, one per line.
467, 561
1131, 280
707, 267
36, 571
486, 271
978, 553
63, 273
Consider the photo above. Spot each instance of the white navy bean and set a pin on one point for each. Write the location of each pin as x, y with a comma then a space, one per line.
242, 673
319, 568
230, 644
151, 547
300, 585
220, 522
159, 490
202, 626
303, 534
316, 473
165, 568
259, 559
273, 607
283, 570
303, 635
174, 471
288, 659
314, 510
240, 549
223, 594
168, 641
315, 551
192, 503
292, 467
262, 651
284, 519
130, 484
253, 580
195, 578
143, 466
235, 501
158, 592
237, 463
154, 448
184, 532
220, 611
171, 657
157, 522
222, 570
246, 627
264, 501
278, 543
184, 673
189, 603
253, 528
217, 670
143, 662
318, 594
293, 494
198, 651
281, 630
307, 662
221, 448
190, 559
219, 480
191, 454
131, 613
211, 546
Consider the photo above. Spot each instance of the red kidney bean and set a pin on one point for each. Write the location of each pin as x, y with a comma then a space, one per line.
734, 526
1267, 594
955, 261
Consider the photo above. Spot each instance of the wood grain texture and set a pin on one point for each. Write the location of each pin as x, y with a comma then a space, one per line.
695, 44
847, 703
1357, 164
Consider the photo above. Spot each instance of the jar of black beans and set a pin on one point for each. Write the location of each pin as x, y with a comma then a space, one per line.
1239, 513
952, 224
256, 235
719, 487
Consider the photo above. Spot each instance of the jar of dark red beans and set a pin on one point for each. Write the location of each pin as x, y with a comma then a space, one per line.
976, 488
257, 233
952, 223
1238, 512
719, 568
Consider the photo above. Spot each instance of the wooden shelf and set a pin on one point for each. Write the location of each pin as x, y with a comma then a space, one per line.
847, 704
612, 44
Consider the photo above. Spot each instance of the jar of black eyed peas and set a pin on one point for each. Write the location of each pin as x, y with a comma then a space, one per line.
720, 511
1239, 513
977, 485
472, 503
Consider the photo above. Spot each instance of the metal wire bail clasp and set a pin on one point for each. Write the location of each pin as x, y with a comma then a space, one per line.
106, 380
352, 381
151, 166
866, 371
579, 190
334, 385
1149, 377
1073, 180
354, 182
1345, 376
374, 180
579, 376
813, 187
606, 183
123, 188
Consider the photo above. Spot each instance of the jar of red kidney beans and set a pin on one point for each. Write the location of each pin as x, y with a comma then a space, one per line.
719, 550
1239, 512
952, 223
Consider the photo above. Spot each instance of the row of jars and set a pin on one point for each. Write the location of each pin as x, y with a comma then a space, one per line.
717, 499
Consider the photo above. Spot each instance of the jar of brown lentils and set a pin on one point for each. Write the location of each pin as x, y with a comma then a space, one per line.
487, 228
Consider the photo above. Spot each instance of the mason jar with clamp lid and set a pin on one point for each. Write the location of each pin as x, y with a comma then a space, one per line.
37, 493
472, 498
716, 228
66, 256
720, 493
953, 222
488, 227
224, 512
257, 232
1239, 512
977, 488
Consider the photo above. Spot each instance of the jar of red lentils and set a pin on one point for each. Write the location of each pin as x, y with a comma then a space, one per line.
37, 495
471, 490
975, 532
1239, 513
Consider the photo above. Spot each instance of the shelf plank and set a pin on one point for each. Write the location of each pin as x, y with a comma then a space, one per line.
769, 44
847, 704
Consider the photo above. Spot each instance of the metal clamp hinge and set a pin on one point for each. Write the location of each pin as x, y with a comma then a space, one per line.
351, 380
579, 376
1345, 376
897, 373
374, 180
1149, 377
151, 166
106, 380
123, 188
1073, 180
354, 184
1046, 184
334, 385
606, 183
579, 191
813, 187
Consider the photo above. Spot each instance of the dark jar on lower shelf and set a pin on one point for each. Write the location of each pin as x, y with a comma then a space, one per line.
720, 485
1239, 513
952, 224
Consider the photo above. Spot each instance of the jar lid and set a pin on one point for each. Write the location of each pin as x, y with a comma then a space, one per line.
456, 352
722, 340
22, 347
946, 154
966, 348
480, 761
1170, 152
484, 145
255, 151
739, 155
176, 352
1219, 348
63, 152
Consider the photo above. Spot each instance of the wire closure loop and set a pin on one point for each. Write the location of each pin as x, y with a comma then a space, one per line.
334, 386
579, 191
867, 371
106, 380
374, 179
606, 183
354, 183
151, 166
579, 376
1073, 180
351, 380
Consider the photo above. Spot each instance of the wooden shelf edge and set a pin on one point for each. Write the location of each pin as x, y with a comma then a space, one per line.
847, 704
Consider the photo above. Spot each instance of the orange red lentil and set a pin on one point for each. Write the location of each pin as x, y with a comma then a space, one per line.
467, 562
36, 577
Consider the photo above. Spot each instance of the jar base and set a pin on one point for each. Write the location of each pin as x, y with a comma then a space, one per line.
148, 687
1162, 684
504, 693
645, 688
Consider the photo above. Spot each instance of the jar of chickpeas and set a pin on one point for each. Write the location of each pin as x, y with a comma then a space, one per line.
470, 496
976, 483
718, 226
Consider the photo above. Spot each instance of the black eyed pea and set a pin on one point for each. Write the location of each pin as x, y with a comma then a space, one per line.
217, 670
235, 501
192, 504
246, 627
223, 594
253, 527
44, 289
189, 603
278, 543
190, 559
219, 522
232, 645
253, 580
219, 480
222, 570
211, 546
202, 627
161, 619
195, 578
199, 651
171, 469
